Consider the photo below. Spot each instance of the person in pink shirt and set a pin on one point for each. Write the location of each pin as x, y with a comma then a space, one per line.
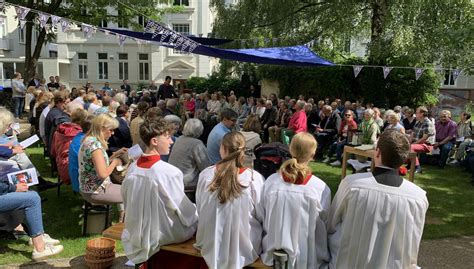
297, 123
189, 105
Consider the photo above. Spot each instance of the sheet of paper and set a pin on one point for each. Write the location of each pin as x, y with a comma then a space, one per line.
129, 263
435, 151
29, 141
27, 176
135, 152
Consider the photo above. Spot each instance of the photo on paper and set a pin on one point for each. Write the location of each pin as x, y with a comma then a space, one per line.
27, 176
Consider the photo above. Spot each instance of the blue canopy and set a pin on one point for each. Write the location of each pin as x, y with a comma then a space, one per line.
292, 56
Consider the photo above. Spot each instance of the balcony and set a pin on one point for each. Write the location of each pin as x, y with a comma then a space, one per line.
6, 44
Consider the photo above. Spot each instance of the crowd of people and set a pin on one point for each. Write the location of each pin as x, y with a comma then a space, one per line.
196, 172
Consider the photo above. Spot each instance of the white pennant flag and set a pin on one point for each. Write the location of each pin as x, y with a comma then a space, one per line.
179, 41
157, 31
418, 73
149, 26
139, 43
173, 37
47, 27
55, 19
87, 29
357, 69
266, 40
164, 34
456, 73
121, 39
65, 24
186, 44
43, 19
386, 71
193, 46
21, 12
22, 24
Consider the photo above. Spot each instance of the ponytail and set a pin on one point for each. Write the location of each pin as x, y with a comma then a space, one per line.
302, 148
226, 178
294, 172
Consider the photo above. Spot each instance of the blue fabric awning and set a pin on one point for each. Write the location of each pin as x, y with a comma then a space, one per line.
291, 56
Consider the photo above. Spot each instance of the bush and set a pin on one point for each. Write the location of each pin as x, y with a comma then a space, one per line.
214, 83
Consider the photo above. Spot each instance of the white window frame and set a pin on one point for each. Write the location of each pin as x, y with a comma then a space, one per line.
104, 65
450, 78
180, 3
3, 27
82, 67
143, 76
123, 65
175, 26
143, 22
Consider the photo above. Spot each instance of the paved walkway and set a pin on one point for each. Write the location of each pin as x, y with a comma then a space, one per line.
442, 253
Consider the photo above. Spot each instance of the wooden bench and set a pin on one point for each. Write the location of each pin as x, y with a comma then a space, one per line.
186, 248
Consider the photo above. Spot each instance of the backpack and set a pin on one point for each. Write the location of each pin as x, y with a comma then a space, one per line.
269, 158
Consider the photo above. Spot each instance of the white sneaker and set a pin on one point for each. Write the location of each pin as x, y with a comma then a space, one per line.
48, 240
335, 163
326, 160
48, 251
453, 162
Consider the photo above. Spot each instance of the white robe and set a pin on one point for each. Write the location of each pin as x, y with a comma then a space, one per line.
157, 210
372, 225
295, 221
229, 235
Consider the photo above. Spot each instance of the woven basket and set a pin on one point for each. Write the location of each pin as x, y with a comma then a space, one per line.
101, 247
92, 256
99, 264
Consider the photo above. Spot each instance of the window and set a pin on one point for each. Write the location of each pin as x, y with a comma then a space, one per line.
182, 29
123, 66
103, 24
103, 66
143, 66
142, 21
449, 78
22, 35
122, 20
2, 27
53, 54
82, 65
181, 3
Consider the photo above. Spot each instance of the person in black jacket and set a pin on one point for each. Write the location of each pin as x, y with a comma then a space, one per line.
268, 119
325, 131
121, 137
166, 90
56, 116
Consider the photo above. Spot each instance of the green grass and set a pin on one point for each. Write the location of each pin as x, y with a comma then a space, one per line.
450, 214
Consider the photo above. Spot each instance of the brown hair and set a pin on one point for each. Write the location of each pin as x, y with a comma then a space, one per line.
423, 110
78, 116
153, 128
394, 148
302, 149
252, 124
60, 97
226, 178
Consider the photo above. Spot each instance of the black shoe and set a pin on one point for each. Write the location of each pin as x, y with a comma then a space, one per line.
46, 185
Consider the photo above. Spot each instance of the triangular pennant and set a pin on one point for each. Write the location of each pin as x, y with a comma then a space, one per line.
149, 26
274, 41
179, 41
43, 19
456, 73
22, 24
386, 71
55, 19
173, 37
21, 12
158, 29
193, 46
186, 44
47, 27
164, 34
357, 69
65, 24
88, 30
242, 43
122, 39
266, 40
418, 73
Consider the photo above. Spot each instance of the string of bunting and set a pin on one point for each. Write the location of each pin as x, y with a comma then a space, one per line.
176, 40
418, 70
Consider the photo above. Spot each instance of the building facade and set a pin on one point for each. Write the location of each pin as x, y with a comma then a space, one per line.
100, 59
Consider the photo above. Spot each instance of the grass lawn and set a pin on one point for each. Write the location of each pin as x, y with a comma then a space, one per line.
450, 214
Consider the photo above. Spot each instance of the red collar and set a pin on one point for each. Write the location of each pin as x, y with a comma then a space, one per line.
241, 169
298, 181
147, 161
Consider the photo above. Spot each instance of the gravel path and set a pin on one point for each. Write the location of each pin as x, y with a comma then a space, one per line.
442, 253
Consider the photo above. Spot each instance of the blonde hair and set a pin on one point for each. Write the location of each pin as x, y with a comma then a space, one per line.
6, 118
98, 124
226, 179
302, 149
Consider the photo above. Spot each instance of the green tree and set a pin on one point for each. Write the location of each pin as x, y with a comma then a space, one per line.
90, 12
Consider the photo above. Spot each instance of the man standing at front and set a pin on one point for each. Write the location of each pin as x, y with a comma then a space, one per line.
228, 119
166, 90
376, 219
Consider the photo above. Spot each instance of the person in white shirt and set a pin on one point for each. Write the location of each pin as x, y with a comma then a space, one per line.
376, 219
158, 211
227, 197
296, 206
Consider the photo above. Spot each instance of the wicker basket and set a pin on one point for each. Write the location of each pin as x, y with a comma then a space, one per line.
101, 247
99, 264
92, 256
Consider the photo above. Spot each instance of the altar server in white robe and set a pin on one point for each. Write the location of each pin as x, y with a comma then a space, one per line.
376, 219
227, 196
158, 211
296, 206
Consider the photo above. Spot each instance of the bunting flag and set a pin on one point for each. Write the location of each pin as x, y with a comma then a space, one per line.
158, 29
357, 69
65, 24
386, 71
179, 41
266, 41
419, 72
55, 19
193, 46
173, 37
242, 43
121, 39
149, 26
47, 27
186, 44
22, 24
88, 30
164, 34
274, 40
456, 73
43, 19
21, 12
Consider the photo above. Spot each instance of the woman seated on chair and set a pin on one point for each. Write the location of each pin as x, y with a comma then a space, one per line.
227, 197
296, 206
95, 166
14, 197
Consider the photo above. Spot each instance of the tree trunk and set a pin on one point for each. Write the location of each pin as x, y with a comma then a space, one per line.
379, 13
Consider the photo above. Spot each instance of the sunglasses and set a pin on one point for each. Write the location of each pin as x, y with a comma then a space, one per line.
347, 115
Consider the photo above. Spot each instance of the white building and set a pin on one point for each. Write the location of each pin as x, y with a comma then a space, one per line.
78, 60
